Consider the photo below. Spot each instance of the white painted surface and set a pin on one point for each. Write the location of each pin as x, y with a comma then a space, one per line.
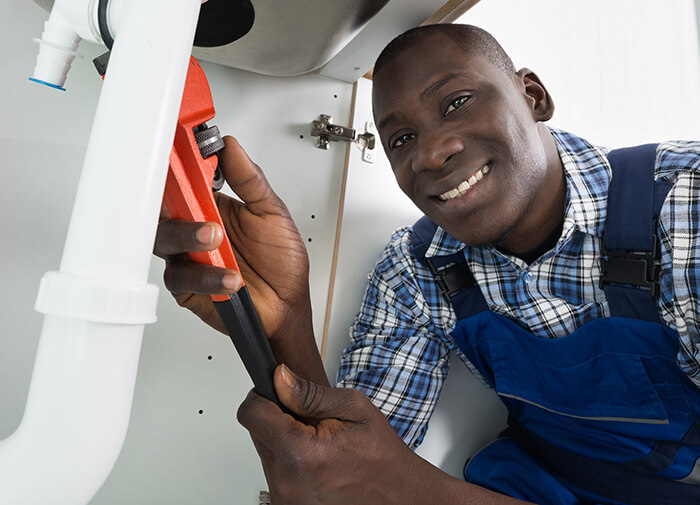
621, 73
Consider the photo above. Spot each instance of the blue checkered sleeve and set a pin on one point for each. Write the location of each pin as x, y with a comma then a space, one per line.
679, 231
396, 356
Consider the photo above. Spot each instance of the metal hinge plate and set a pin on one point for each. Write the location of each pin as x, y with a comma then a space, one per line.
326, 131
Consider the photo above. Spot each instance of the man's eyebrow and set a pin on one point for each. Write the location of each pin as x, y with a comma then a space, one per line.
437, 85
424, 94
386, 120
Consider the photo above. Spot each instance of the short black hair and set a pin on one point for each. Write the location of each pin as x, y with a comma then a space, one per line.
468, 37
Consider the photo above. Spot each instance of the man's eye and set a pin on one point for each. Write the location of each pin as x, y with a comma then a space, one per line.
456, 104
401, 140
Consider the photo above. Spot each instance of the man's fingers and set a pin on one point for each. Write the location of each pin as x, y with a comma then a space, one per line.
246, 179
267, 424
309, 400
176, 236
185, 276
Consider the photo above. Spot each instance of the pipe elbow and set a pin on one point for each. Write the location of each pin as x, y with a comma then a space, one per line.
77, 413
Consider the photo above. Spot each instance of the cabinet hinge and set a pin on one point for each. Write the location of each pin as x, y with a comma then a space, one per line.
326, 131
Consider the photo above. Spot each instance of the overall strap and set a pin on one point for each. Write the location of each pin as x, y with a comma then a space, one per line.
455, 281
631, 256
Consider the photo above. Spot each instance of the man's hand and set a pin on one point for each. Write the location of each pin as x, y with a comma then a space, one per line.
268, 248
345, 452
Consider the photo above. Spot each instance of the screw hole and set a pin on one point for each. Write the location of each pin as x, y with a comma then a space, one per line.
301, 136
313, 216
335, 96
309, 239
201, 412
209, 357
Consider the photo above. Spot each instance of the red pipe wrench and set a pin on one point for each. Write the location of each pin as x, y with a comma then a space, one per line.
192, 178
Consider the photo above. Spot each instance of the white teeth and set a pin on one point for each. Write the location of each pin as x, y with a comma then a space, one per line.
465, 185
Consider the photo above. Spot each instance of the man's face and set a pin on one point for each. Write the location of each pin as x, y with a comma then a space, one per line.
462, 139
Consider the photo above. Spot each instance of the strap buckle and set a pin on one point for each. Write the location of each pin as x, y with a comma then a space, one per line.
641, 269
452, 277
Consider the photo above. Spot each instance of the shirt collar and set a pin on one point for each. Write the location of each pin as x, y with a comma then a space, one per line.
588, 173
587, 178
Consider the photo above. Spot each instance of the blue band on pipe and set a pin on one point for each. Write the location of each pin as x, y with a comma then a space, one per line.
55, 86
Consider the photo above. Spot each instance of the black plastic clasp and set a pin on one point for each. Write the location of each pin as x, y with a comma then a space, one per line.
452, 277
632, 268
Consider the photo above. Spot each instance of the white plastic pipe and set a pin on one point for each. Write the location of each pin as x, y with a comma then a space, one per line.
81, 391
57, 48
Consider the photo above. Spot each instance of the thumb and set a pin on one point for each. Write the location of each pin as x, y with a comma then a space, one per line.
309, 400
247, 180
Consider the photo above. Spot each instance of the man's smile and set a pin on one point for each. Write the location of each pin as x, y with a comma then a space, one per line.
466, 185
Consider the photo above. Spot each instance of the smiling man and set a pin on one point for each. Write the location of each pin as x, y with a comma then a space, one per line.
465, 136
564, 277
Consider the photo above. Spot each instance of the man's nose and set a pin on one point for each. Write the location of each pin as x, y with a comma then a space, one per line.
435, 149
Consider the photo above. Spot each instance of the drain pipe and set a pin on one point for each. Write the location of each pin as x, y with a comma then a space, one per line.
97, 304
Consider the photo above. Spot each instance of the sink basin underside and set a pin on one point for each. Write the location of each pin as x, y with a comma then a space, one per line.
292, 37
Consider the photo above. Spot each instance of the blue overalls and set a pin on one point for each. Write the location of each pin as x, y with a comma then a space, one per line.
603, 415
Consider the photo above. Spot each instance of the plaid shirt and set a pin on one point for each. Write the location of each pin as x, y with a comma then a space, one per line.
400, 340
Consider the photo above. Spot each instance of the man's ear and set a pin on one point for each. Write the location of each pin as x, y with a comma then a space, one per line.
542, 104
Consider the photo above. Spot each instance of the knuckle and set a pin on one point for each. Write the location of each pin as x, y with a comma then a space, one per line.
183, 299
174, 237
213, 281
312, 397
168, 279
358, 402
166, 237
357, 397
184, 276
357, 406
172, 277
243, 414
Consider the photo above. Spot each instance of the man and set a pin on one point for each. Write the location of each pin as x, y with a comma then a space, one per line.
602, 394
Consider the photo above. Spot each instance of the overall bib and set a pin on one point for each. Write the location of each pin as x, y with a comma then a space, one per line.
603, 415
